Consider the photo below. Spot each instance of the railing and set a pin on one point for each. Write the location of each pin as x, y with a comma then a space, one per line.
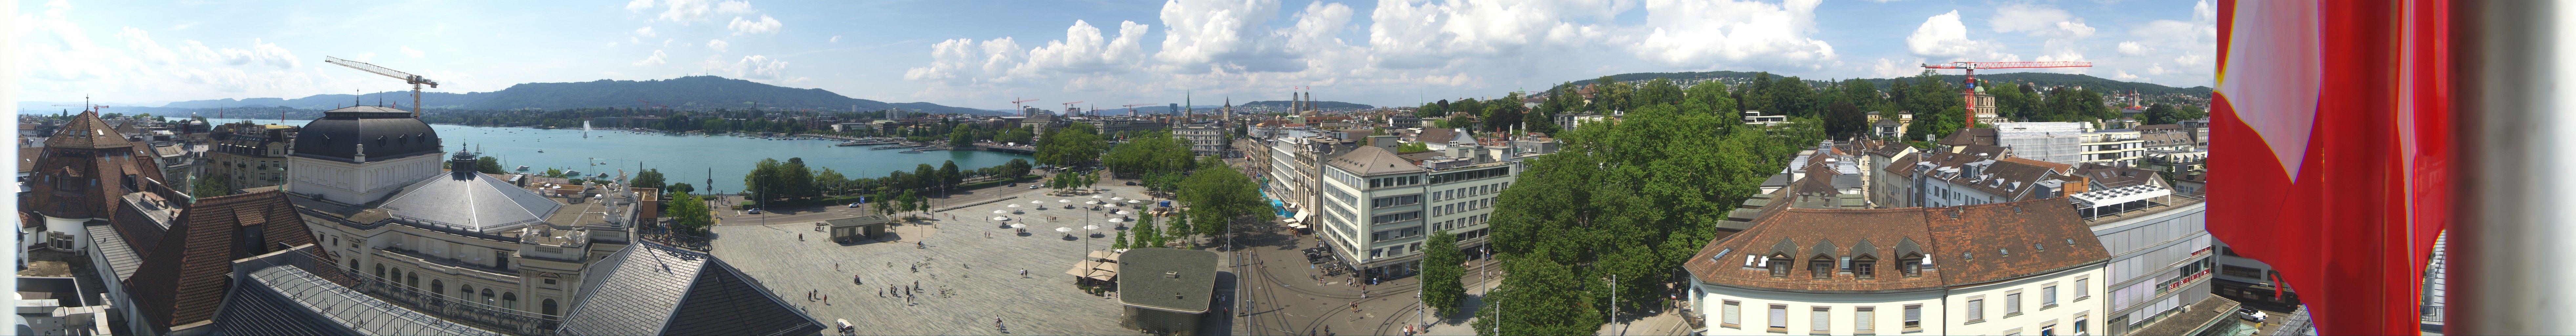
448, 261
466, 311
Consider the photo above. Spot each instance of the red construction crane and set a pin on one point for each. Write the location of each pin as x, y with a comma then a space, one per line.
1970, 114
1015, 105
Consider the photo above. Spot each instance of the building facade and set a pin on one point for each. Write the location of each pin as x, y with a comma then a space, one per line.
2120, 147
1205, 139
249, 155
1376, 208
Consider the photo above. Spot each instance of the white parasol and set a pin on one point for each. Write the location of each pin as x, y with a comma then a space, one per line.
1133, 201
1063, 229
997, 212
1095, 196
1125, 212
1064, 201
1000, 218
1117, 198
1037, 202
1015, 205
1019, 226
1091, 227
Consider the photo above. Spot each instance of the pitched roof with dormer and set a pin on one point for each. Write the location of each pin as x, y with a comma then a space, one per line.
1967, 245
1372, 161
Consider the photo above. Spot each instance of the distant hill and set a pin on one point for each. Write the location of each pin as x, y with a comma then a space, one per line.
1324, 105
2089, 82
678, 93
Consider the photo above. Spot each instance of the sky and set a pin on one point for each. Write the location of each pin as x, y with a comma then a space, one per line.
983, 54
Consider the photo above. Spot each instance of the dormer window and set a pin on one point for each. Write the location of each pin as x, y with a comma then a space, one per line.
1822, 266
1779, 264
1865, 267
1911, 265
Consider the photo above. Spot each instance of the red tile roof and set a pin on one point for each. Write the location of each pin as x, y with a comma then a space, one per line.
1966, 244
184, 275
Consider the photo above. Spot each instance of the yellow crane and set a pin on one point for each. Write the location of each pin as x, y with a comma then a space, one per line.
408, 78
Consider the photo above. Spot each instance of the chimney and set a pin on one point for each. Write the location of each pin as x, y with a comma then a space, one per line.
1386, 142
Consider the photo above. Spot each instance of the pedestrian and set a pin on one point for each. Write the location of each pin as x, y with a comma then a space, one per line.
997, 323
880, 292
836, 267
827, 299
800, 237
916, 268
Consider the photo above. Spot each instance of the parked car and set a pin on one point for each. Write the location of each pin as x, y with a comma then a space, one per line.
854, 205
755, 211
1033, 187
1131, 182
1011, 184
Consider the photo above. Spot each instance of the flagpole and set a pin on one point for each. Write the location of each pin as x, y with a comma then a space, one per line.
2511, 139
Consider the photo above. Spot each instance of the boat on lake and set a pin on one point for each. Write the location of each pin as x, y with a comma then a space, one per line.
523, 167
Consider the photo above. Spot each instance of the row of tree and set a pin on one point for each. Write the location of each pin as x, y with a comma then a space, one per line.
771, 179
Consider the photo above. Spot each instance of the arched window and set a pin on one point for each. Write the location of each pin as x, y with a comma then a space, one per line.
1779, 265
1865, 266
437, 287
380, 269
464, 290
1911, 264
547, 307
487, 296
1822, 266
353, 266
412, 280
510, 300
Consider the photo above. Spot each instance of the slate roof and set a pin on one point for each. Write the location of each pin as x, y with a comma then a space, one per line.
1146, 274
1985, 151
1891, 149
1903, 166
2107, 176
87, 150
277, 297
2059, 168
470, 201
1972, 136
1437, 135
1982, 231
387, 133
1372, 161
653, 289
27, 158
184, 275
120, 255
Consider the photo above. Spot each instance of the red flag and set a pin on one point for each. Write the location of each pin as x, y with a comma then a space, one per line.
2331, 151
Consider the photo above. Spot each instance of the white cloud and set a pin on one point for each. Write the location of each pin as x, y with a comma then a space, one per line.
2187, 45
2039, 21
835, 39
718, 45
765, 25
1892, 68
646, 31
639, 5
657, 58
1084, 50
407, 50
2132, 48
754, 67
684, 11
1944, 37
1405, 36
1686, 33
734, 7
2124, 75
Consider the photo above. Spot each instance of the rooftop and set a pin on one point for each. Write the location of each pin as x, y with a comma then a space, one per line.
1964, 246
1372, 161
283, 293
1147, 273
654, 289
470, 201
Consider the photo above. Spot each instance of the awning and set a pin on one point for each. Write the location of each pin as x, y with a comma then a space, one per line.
1301, 216
1081, 269
1104, 277
1111, 267
1104, 255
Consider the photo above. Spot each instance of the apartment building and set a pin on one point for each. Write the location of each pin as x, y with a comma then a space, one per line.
2028, 271
2121, 147
1376, 208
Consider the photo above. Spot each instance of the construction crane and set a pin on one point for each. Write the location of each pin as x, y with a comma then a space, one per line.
408, 78
1970, 113
1131, 108
1023, 110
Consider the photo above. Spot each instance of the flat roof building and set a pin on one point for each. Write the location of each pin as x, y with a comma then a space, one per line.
1166, 291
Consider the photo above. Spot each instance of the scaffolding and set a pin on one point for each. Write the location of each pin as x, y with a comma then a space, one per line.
2055, 142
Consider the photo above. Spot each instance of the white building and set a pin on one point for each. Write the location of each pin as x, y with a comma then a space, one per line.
1376, 208
360, 154
2162, 255
2120, 147
2057, 142
2021, 268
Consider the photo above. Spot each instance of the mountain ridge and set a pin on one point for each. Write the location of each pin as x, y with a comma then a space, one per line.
700, 92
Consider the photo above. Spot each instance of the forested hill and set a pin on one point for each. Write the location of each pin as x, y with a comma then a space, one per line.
1324, 105
2096, 84
693, 92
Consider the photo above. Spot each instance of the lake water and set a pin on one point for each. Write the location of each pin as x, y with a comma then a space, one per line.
682, 159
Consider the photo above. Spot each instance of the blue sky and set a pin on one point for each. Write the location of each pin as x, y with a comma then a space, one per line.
983, 53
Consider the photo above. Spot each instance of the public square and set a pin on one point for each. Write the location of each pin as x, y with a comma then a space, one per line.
968, 268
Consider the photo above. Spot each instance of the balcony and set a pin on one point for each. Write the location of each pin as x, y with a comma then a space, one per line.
461, 310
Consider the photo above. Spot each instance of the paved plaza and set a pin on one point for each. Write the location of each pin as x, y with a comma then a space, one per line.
966, 279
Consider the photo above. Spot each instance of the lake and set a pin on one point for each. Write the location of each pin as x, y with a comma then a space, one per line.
682, 159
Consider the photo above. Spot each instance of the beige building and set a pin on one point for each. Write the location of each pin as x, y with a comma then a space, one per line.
2030, 269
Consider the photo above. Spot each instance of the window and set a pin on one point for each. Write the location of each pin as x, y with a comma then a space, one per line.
464, 290
412, 280
487, 296
1977, 309
380, 270
1822, 266
1779, 265
1866, 267
2081, 292
550, 281
1913, 318
2013, 332
1911, 265
2079, 323
2012, 303
2048, 297
1731, 316
437, 287
2048, 330
510, 300
1865, 320
548, 307
2241, 272
1821, 320
1779, 318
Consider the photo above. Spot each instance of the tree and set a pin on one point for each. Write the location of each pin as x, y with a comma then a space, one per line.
1411, 147
2159, 114
649, 178
488, 165
1076, 145
688, 213
1441, 268
1121, 244
680, 188
1218, 195
797, 180
1844, 120
210, 186
949, 178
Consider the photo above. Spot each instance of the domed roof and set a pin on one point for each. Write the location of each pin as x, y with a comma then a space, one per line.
470, 201
387, 133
